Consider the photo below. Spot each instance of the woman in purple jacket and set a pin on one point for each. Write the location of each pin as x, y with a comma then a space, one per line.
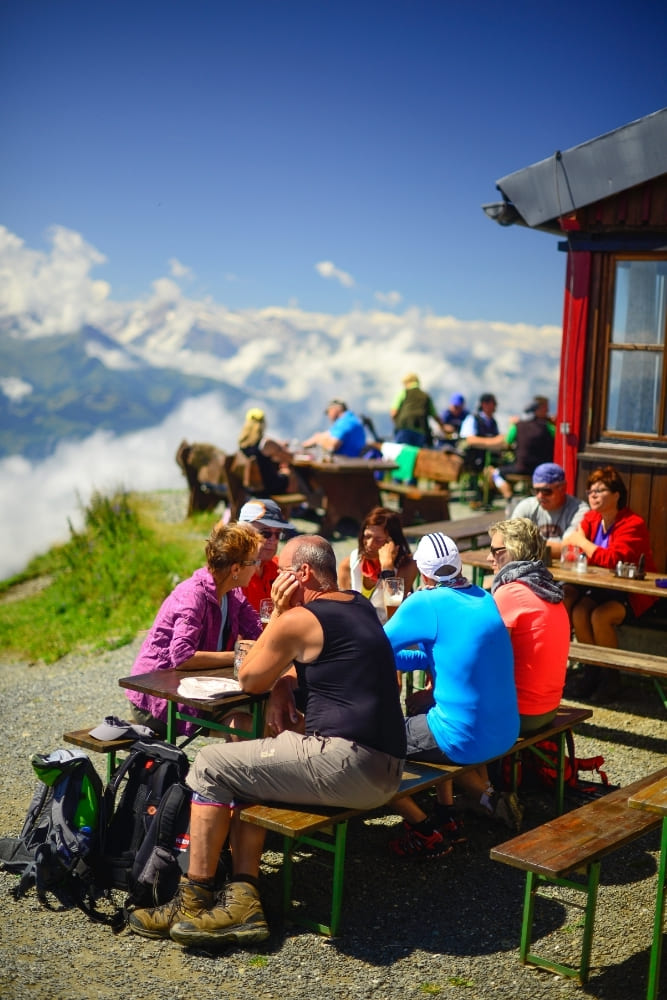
199, 622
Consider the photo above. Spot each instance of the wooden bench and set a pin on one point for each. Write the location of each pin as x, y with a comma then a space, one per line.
429, 499
82, 738
243, 482
574, 844
645, 664
326, 829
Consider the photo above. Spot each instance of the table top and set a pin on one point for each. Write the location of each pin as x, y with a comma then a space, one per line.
342, 464
164, 684
598, 576
595, 576
460, 528
651, 798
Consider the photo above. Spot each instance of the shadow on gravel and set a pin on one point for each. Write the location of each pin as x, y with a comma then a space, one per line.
638, 741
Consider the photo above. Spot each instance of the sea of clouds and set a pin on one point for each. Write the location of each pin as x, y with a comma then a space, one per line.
284, 359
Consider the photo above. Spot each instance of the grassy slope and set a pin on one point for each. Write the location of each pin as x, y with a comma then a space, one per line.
106, 583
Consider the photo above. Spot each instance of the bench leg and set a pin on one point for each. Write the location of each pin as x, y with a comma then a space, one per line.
656, 947
527, 957
337, 848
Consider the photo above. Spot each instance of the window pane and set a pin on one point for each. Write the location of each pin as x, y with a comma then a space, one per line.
634, 388
639, 302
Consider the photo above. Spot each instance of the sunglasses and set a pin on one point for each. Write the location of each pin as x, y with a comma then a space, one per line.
267, 534
597, 493
496, 549
546, 491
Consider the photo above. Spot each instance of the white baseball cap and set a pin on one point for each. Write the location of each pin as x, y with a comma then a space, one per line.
438, 558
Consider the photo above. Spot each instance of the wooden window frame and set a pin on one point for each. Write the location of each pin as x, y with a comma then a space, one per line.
603, 287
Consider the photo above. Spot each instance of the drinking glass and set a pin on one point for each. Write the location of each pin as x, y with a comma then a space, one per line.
394, 588
569, 555
265, 610
241, 647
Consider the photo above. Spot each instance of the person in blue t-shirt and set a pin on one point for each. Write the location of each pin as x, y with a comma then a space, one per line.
346, 435
469, 714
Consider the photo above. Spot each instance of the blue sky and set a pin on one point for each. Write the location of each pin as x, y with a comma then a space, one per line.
247, 143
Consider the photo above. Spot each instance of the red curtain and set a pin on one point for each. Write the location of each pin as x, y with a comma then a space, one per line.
572, 362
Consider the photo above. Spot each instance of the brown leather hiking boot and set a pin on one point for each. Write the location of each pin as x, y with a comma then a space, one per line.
237, 916
190, 899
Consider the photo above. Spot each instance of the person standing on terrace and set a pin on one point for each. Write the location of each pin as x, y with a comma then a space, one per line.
410, 413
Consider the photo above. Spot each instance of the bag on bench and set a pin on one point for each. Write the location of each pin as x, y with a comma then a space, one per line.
538, 766
144, 818
55, 850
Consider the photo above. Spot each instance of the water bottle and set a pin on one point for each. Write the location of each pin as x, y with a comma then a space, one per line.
582, 563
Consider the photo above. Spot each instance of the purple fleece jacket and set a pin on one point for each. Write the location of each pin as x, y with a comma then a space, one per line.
188, 620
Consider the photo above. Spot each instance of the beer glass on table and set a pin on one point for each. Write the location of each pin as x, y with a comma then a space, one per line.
394, 588
265, 611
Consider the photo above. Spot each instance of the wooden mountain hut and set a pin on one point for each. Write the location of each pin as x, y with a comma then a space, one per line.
607, 200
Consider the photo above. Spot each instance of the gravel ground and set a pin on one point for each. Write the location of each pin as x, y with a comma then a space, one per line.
447, 927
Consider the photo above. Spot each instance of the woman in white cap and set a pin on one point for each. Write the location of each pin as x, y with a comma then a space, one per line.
472, 712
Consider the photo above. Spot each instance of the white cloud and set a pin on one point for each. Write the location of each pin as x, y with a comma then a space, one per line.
15, 388
38, 498
327, 269
44, 293
282, 358
391, 299
178, 270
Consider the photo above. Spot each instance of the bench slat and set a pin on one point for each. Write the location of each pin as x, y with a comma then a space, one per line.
647, 664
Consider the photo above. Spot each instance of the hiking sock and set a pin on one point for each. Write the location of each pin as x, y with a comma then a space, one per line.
205, 883
242, 877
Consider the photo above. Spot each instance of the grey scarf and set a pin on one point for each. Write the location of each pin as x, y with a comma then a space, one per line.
534, 575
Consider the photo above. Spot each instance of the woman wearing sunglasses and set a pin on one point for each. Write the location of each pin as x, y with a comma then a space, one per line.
610, 532
531, 605
267, 519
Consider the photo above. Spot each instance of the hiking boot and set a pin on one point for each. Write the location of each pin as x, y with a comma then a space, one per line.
506, 808
414, 844
190, 899
236, 916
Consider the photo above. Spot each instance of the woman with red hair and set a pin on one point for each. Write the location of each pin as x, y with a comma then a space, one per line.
609, 532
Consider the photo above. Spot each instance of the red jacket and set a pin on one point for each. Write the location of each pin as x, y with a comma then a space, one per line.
628, 540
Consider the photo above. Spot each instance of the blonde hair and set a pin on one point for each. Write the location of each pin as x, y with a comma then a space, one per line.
521, 538
231, 543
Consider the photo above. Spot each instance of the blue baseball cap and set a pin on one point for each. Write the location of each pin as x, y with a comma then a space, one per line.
548, 473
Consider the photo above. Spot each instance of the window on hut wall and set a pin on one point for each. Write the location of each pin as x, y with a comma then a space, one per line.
636, 363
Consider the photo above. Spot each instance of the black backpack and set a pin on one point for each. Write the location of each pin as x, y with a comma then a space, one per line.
55, 850
144, 815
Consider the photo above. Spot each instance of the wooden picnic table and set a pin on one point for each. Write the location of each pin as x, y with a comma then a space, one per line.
164, 684
465, 531
594, 576
653, 799
348, 484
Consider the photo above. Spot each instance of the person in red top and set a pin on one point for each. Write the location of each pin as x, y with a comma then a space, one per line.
267, 518
531, 605
609, 532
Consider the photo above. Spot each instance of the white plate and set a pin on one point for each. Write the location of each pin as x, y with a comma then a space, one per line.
207, 687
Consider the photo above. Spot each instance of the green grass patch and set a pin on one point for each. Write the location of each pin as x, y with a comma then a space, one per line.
107, 581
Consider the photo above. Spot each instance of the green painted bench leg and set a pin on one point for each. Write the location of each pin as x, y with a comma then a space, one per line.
656, 947
533, 882
337, 848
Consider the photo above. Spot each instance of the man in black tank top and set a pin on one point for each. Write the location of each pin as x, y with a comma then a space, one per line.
329, 645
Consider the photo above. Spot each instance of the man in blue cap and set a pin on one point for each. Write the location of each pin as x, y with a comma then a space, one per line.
455, 414
552, 509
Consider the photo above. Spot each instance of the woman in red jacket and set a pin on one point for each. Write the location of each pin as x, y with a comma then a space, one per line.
609, 532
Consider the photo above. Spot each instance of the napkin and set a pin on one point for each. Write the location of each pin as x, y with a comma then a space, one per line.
207, 687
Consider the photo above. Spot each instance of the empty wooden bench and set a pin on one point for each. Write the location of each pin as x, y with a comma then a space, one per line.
429, 499
326, 829
574, 844
645, 664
